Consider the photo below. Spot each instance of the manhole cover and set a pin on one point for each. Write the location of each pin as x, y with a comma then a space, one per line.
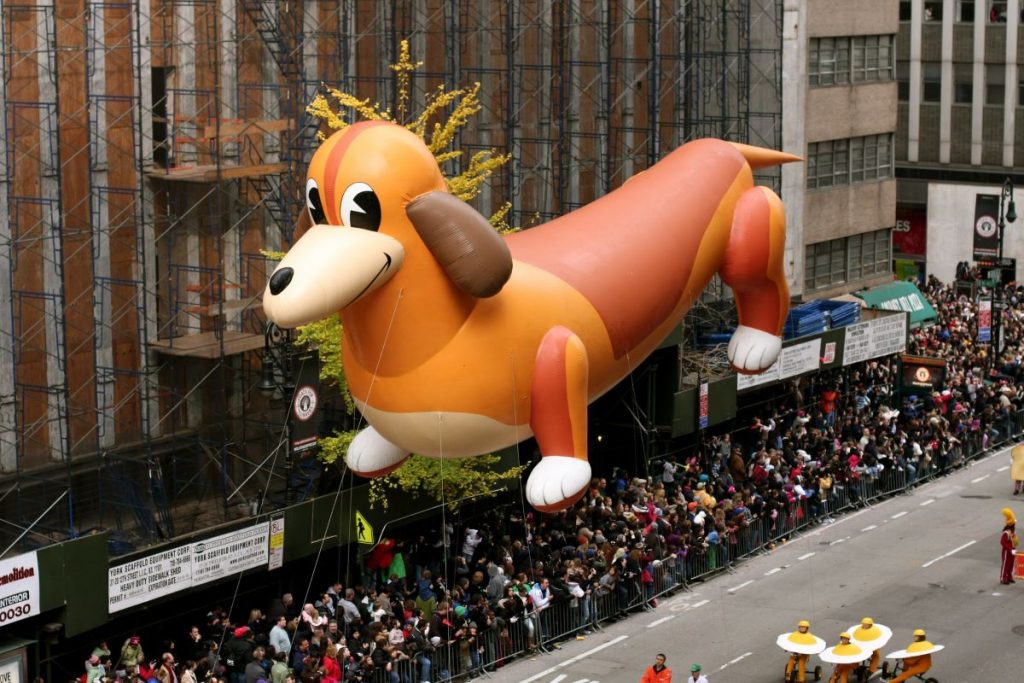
1018, 630
978, 497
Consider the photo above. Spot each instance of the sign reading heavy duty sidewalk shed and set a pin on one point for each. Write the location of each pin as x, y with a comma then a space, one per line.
193, 564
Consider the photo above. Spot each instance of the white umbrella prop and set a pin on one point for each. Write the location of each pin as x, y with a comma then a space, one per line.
903, 654
844, 654
880, 635
800, 643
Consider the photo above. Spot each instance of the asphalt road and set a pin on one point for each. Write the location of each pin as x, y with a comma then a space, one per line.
928, 559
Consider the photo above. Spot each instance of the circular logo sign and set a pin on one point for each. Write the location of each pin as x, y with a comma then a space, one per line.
985, 226
305, 403
923, 375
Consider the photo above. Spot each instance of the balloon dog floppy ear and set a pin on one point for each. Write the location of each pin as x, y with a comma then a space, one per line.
459, 341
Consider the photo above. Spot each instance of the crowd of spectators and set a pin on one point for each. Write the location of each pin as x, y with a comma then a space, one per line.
465, 590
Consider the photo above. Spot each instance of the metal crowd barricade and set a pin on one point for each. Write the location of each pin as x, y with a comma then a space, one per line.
568, 617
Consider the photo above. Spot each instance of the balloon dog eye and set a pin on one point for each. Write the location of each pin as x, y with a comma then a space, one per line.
360, 207
313, 203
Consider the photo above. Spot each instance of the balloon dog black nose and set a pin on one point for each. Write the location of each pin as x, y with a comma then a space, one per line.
280, 279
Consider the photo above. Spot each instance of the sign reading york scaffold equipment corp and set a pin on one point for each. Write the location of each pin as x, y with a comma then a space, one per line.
193, 564
19, 588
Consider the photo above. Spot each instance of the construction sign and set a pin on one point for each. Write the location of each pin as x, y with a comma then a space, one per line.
364, 530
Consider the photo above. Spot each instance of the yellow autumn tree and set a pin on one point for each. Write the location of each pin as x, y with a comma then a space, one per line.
443, 114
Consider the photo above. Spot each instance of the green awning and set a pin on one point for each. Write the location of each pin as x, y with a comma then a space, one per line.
900, 296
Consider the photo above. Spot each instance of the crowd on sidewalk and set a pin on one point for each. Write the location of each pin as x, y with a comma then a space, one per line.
464, 590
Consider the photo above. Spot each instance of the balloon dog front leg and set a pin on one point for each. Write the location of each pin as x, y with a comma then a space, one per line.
558, 418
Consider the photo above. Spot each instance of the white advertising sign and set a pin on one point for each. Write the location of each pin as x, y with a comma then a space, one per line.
192, 564
888, 335
276, 559
875, 338
227, 554
794, 360
148, 578
800, 358
19, 588
750, 381
10, 670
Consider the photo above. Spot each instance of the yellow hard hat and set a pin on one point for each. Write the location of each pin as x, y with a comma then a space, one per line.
920, 632
804, 623
867, 621
844, 634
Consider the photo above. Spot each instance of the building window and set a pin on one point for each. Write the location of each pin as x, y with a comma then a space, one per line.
933, 10
995, 84
847, 259
903, 81
1020, 94
905, 10
997, 11
870, 158
872, 58
965, 11
963, 83
831, 63
857, 160
932, 74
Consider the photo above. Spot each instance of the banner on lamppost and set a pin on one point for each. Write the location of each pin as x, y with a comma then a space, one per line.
704, 406
304, 416
985, 320
986, 227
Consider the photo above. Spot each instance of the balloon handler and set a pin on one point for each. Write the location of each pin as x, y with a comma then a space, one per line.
916, 659
459, 341
871, 637
800, 644
1008, 545
846, 656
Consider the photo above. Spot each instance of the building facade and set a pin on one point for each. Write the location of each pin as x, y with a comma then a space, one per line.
960, 94
839, 100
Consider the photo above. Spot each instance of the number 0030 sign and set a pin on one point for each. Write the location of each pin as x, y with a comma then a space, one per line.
19, 588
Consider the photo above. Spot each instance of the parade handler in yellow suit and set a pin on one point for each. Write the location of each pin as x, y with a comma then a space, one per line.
872, 637
800, 644
1017, 468
917, 658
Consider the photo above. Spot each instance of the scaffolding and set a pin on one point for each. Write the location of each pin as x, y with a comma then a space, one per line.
152, 150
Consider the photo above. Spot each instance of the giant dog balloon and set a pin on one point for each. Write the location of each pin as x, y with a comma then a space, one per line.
459, 342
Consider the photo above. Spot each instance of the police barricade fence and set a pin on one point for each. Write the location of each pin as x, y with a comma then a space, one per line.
498, 645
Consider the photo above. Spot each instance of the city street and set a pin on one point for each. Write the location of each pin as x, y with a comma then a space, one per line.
924, 560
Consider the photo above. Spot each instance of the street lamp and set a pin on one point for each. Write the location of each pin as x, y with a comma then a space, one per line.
1007, 212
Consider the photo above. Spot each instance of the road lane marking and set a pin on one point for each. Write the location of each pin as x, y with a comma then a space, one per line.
773, 571
928, 502
1003, 468
805, 556
734, 661
558, 678
742, 585
951, 552
898, 515
839, 540
573, 660
661, 621
681, 603
977, 479
869, 528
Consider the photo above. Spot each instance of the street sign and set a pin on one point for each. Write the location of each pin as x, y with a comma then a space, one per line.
364, 530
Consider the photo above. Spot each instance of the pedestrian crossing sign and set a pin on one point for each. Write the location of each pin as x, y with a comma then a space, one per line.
364, 531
